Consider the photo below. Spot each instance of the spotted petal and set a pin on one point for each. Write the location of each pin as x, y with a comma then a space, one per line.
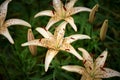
100, 61
44, 13
87, 59
37, 42
59, 32
44, 33
74, 68
70, 4
52, 21
7, 35
76, 10
73, 38
3, 11
33, 49
49, 56
67, 47
11, 22
57, 4
108, 73
70, 20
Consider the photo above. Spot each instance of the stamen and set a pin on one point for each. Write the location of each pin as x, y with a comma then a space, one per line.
53, 12
102, 69
64, 8
101, 56
67, 49
40, 40
44, 28
90, 68
84, 61
72, 38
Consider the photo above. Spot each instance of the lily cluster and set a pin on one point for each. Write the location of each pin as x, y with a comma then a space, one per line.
57, 42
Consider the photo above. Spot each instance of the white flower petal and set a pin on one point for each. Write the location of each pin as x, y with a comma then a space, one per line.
44, 13
67, 47
7, 35
75, 37
83, 77
70, 4
33, 49
49, 56
3, 11
87, 59
100, 61
44, 33
108, 73
70, 20
60, 31
73, 68
51, 22
57, 4
76, 10
36, 42
11, 22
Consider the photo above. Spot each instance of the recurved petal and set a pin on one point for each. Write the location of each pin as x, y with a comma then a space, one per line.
70, 4
76, 10
75, 37
36, 42
7, 35
60, 30
100, 61
3, 10
49, 56
74, 68
92, 13
52, 21
67, 47
57, 4
33, 49
44, 13
45, 33
70, 20
12, 22
107, 73
87, 59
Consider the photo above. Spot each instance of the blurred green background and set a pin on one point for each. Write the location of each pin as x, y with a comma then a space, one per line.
17, 63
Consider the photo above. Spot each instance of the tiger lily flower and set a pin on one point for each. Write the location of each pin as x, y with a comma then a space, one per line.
30, 36
5, 24
62, 12
92, 70
56, 42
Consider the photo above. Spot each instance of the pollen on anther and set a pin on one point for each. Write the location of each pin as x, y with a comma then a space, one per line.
67, 49
72, 38
84, 61
102, 69
44, 28
101, 56
64, 8
53, 11
40, 40
90, 68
